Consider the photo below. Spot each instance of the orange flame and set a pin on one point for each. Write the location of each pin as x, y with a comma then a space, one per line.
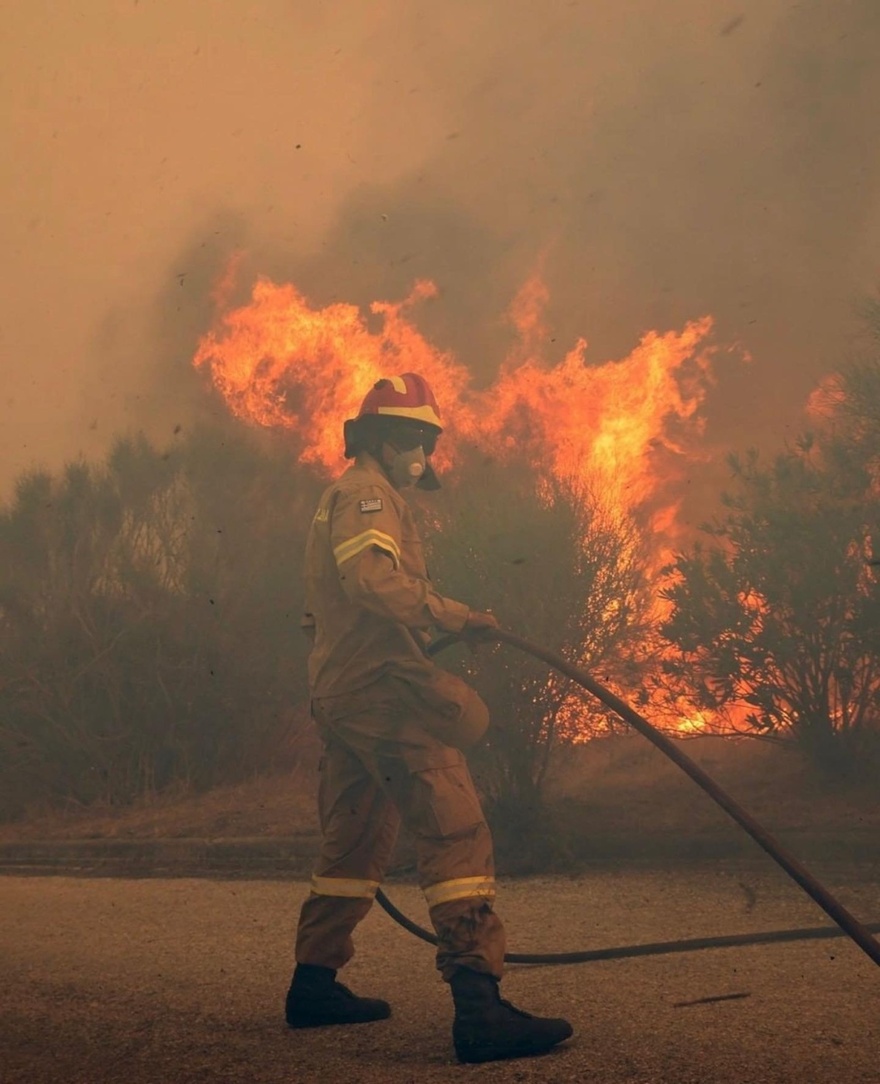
623, 429
617, 427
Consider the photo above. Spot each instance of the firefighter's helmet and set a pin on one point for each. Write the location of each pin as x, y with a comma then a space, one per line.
395, 408
406, 396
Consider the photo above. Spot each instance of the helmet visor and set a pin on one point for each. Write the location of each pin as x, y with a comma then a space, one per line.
407, 436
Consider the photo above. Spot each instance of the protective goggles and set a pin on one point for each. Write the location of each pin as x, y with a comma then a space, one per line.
406, 438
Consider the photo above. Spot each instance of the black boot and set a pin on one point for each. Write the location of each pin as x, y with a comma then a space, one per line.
315, 999
487, 1028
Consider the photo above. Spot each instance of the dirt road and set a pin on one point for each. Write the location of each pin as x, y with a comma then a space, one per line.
176, 981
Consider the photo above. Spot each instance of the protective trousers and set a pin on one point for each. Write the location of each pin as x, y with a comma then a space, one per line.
380, 766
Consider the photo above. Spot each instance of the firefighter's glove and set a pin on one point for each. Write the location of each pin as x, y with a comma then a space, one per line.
478, 628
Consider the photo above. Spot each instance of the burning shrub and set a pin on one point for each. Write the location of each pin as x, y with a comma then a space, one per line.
777, 625
555, 565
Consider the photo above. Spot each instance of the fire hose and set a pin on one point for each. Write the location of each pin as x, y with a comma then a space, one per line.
846, 923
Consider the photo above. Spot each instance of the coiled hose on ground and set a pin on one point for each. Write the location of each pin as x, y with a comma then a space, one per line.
846, 923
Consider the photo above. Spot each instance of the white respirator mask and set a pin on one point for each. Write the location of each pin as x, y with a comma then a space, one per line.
408, 467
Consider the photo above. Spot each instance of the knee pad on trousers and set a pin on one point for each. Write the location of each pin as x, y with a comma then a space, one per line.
448, 708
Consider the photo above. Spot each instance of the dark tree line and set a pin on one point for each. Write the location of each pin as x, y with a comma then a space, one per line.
149, 615
149, 611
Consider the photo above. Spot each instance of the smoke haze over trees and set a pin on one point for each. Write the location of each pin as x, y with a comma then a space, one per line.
664, 160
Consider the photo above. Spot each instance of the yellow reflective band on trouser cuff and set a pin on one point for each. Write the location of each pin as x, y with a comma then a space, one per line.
346, 550
344, 886
461, 888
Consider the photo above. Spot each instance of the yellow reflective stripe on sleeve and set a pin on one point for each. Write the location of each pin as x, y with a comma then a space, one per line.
353, 546
344, 886
460, 889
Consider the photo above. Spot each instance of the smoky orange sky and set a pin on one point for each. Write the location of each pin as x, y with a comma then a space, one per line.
665, 159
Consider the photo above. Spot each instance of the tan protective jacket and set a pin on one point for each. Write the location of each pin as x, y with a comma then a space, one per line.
367, 593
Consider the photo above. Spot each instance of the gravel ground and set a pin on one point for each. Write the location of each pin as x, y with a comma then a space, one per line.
183, 980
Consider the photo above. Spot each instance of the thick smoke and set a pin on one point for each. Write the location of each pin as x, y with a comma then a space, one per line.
660, 160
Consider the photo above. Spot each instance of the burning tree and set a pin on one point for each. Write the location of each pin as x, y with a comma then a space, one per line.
776, 625
556, 564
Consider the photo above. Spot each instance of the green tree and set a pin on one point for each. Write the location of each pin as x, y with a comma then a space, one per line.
776, 623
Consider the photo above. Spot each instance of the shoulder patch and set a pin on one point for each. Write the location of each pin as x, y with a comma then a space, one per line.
374, 504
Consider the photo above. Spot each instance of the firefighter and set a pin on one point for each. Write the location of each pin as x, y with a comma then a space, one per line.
393, 726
